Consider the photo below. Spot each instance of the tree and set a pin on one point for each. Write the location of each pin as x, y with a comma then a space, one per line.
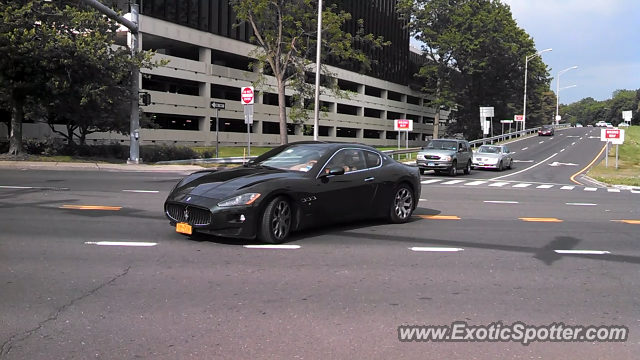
285, 32
588, 111
60, 56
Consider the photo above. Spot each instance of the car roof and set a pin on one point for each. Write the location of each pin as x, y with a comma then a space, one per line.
335, 145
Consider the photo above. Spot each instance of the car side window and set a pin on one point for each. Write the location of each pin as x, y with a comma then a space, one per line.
373, 159
348, 159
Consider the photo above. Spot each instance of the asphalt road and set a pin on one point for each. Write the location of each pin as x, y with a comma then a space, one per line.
546, 159
337, 293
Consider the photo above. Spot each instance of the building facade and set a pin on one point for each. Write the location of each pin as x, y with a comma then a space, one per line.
208, 61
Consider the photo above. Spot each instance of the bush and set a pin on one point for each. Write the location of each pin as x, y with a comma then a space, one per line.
113, 150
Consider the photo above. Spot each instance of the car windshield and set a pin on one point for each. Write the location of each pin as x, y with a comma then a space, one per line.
484, 149
442, 145
296, 157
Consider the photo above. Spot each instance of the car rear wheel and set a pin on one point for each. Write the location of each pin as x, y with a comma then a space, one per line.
276, 221
510, 166
402, 205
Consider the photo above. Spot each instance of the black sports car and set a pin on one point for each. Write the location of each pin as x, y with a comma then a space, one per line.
294, 186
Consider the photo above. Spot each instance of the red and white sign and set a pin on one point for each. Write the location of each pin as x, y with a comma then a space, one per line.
403, 125
247, 95
519, 118
614, 136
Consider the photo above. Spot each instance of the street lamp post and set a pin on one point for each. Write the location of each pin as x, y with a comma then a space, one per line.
526, 68
558, 92
316, 108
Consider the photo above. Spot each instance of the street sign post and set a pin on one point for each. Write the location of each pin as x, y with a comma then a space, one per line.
506, 122
612, 136
247, 96
218, 106
400, 125
627, 115
519, 119
486, 112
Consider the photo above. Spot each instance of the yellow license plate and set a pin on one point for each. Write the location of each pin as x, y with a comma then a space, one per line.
184, 228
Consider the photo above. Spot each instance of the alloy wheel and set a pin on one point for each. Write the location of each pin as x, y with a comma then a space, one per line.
281, 220
403, 203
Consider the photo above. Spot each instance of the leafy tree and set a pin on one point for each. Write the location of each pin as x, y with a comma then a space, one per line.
285, 32
588, 111
60, 56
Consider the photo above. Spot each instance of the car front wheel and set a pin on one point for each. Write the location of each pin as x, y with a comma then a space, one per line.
402, 205
276, 221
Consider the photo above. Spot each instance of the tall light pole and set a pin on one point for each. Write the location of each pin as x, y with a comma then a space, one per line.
558, 92
316, 107
526, 69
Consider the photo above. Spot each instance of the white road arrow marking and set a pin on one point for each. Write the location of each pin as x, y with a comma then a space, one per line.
555, 163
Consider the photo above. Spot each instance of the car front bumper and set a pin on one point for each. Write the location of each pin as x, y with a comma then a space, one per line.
546, 133
481, 165
434, 164
233, 222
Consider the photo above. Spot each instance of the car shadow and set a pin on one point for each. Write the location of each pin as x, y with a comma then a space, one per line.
314, 232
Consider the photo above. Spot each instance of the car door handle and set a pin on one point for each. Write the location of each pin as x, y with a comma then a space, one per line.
369, 179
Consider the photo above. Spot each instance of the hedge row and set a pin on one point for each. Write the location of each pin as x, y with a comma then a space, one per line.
114, 150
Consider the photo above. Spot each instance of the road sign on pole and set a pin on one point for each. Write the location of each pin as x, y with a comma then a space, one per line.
247, 95
627, 115
218, 106
400, 125
248, 119
612, 136
486, 112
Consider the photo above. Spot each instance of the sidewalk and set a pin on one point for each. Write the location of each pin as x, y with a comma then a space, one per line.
69, 166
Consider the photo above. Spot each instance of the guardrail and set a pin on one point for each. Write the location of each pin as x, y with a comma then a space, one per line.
392, 153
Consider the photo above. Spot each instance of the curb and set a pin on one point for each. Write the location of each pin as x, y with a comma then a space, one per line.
621, 187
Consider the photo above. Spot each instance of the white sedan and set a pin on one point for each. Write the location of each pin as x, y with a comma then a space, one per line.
492, 157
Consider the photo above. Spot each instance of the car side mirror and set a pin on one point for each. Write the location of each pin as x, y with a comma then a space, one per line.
334, 171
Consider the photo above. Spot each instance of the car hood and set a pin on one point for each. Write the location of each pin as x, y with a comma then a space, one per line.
437, 152
225, 183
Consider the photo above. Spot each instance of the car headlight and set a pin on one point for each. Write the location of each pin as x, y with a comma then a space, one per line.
446, 158
244, 199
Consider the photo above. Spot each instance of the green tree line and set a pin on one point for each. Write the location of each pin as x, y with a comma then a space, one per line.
59, 66
588, 111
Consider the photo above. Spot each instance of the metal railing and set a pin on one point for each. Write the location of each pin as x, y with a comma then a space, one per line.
408, 152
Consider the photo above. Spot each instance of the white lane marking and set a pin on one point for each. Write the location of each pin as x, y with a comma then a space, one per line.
499, 184
33, 187
120, 243
525, 148
590, 189
545, 186
431, 181
475, 183
573, 143
435, 249
613, 190
521, 185
500, 202
529, 168
562, 150
288, 247
541, 142
452, 182
581, 204
522, 161
583, 252
635, 191
551, 138
142, 191
16, 187
580, 138
572, 136
567, 188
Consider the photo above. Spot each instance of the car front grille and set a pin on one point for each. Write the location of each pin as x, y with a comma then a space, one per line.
188, 214
432, 157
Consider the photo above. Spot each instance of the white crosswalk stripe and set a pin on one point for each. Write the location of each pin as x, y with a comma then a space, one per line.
520, 185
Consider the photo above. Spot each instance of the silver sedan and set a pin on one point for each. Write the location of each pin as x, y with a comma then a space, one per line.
492, 157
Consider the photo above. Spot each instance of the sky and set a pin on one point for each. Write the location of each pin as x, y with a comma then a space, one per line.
600, 37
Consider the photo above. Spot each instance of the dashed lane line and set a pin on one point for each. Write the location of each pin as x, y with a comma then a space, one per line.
91, 207
142, 191
582, 252
435, 249
120, 243
284, 247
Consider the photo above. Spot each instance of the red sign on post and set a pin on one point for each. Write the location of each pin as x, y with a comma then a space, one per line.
247, 95
403, 125
519, 118
612, 134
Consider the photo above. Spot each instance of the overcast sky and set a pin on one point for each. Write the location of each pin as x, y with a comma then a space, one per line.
601, 37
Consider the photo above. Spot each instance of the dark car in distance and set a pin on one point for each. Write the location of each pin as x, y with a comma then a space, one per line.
292, 187
546, 130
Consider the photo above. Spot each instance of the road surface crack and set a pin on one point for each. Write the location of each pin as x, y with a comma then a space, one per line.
8, 345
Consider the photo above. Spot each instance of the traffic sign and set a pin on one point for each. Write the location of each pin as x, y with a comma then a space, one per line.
627, 115
403, 125
486, 112
519, 118
613, 136
506, 121
247, 95
217, 105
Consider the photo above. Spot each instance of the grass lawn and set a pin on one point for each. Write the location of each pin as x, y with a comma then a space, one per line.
628, 172
65, 159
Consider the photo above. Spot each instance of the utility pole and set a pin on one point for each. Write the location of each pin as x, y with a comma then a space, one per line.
134, 144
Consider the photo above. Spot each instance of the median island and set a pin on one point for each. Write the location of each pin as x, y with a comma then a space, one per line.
628, 172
